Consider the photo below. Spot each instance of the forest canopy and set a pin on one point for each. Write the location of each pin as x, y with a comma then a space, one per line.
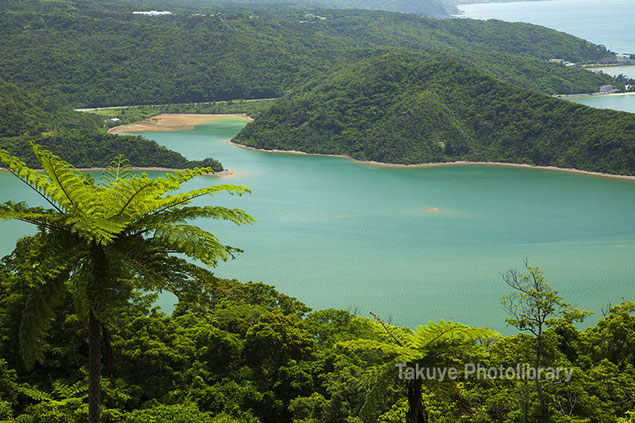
406, 109
100, 54
25, 117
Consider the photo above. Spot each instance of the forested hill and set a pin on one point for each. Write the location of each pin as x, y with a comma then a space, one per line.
431, 8
403, 109
75, 136
22, 113
98, 54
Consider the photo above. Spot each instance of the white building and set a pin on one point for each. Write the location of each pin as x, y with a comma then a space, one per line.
153, 13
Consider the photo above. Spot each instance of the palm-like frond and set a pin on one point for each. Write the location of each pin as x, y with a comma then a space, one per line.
179, 200
39, 216
39, 183
445, 333
193, 242
67, 187
53, 256
100, 240
36, 319
118, 170
183, 214
396, 352
378, 380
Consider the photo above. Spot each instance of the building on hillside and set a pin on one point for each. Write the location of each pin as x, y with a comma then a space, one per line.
153, 13
606, 89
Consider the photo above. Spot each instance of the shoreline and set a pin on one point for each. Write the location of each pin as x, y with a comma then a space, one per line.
176, 122
444, 164
591, 95
167, 122
225, 172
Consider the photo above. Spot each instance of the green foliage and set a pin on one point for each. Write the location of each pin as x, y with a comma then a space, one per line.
216, 359
426, 7
99, 241
168, 413
99, 54
534, 305
25, 117
408, 109
433, 345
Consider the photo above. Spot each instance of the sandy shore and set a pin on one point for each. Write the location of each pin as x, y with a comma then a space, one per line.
443, 164
172, 122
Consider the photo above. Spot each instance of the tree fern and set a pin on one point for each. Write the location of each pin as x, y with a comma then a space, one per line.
100, 241
432, 345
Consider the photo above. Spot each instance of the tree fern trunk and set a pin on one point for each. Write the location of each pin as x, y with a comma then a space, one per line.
94, 360
415, 412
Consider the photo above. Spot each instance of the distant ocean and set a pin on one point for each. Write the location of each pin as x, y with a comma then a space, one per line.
607, 22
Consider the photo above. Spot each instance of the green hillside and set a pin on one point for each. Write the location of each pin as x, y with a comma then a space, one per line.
100, 54
402, 109
22, 113
432, 8
77, 136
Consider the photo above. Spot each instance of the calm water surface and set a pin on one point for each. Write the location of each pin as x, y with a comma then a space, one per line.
607, 22
409, 244
621, 102
617, 70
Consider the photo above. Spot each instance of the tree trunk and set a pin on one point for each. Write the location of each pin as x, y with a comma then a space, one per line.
543, 405
94, 362
415, 412
108, 360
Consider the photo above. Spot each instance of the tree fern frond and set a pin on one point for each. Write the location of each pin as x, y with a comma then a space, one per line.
182, 176
379, 378
183, 214
63, 391
39, 216
146, 193
94, 229
33, 393
193, 242
426, 336
37, 182
68, 188
390, 348
38, 313
401, 336
118, 169
141, 192
179, 200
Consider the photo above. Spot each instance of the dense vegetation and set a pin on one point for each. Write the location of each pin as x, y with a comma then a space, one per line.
99, 54
433, 8
25, 117
101, 240
402, 109
237, 353
131, 114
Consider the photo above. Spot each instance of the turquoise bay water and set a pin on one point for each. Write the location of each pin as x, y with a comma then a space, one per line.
624, 103
607, 22
409, 244
617, 70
